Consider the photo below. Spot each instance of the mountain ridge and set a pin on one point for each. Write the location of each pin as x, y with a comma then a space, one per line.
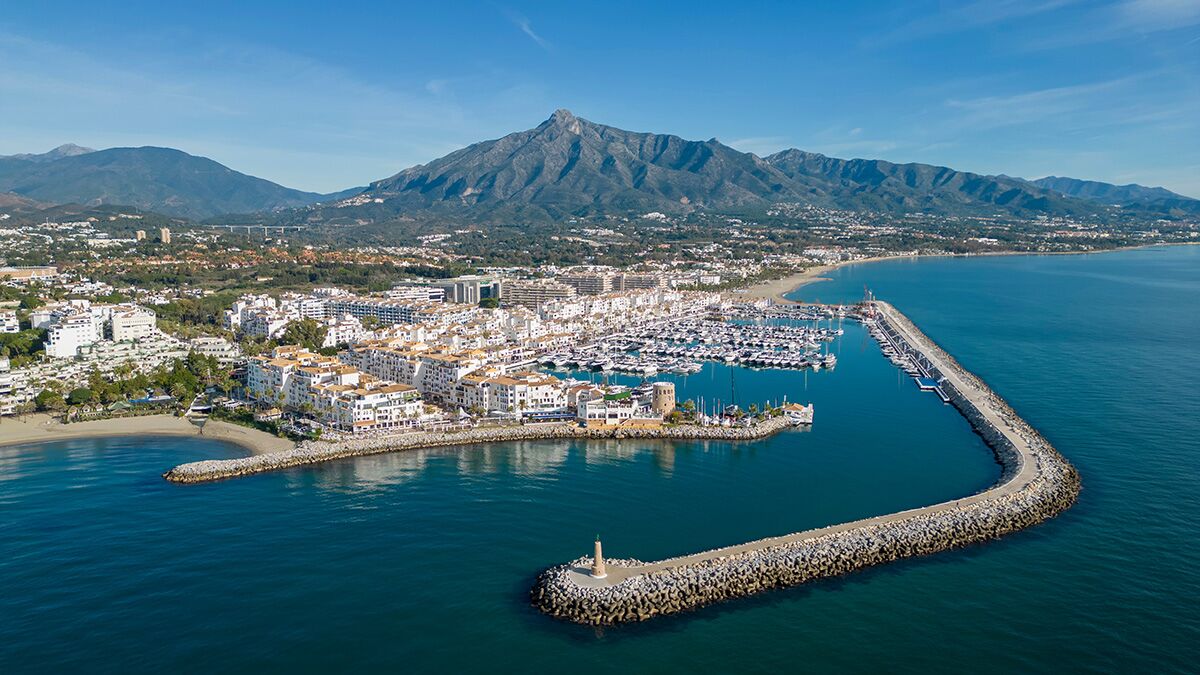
569, 166
1093, 190
163, 180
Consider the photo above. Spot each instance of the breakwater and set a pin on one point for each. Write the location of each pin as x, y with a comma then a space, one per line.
1036, 484
313, 452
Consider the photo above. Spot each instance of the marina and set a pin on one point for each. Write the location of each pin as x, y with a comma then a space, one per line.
1036, 484
750, 339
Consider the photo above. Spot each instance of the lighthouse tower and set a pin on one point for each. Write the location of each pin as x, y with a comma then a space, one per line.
598, 571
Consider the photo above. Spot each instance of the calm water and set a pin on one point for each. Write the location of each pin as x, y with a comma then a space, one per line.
421, 561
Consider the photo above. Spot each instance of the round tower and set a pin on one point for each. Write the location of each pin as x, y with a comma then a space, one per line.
662, 402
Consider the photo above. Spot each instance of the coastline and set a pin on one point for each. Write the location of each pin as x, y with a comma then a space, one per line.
776, 290
40, 428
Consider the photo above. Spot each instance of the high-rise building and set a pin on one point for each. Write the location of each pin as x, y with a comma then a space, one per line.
140, 235
164, 235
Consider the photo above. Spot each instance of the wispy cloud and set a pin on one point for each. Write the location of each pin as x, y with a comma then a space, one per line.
761, 145
988, 112
526, 27
272, 113
959, 17
1124, 20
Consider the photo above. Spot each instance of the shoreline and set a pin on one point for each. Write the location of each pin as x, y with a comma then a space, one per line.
42, 428
1036, 484
776, 290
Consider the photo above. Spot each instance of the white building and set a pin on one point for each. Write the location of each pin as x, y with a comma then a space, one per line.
535, 292
134, 324
224, 351
343, 330
609, 409
68, 334
9, 322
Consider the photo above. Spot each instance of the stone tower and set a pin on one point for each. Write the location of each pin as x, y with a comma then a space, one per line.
662, 401
598, 571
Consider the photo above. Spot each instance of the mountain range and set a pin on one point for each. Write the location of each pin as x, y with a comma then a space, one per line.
163, 180
1127, 196
568, 166
565, 167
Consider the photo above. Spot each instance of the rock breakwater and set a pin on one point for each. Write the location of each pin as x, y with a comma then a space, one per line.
313, 452
1036, 484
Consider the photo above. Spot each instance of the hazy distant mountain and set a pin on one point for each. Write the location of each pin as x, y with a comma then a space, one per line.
156, 179
883, 186
65, 150
1109, 193
570, 166
9, 200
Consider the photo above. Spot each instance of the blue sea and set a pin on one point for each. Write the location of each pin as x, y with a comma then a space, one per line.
421, 561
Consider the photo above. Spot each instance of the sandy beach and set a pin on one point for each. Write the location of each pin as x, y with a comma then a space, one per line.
776, 289
38, 428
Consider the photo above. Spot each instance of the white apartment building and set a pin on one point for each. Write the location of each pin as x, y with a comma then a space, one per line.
535, 292
242, 308
133, 324
12, 388
9, 322
589, 283
516, 393
434, 373
417, 291
224, 351
68, 334
375, 406
343, 330
339, 395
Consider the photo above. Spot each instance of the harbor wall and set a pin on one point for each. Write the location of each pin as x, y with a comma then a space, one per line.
313, 452
1036, 484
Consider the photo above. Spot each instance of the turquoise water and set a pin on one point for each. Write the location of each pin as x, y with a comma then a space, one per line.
421, 561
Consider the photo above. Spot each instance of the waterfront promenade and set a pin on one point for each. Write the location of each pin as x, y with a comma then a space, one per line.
1036, 484
314, 452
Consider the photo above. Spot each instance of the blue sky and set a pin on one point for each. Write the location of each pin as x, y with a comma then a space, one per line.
322, 98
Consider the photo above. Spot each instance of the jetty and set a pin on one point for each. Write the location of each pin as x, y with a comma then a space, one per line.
315, 452
1036, 484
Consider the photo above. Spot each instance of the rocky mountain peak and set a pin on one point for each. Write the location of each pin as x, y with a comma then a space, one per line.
566, 120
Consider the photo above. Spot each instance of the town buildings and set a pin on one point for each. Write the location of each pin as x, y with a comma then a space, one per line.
336, 394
